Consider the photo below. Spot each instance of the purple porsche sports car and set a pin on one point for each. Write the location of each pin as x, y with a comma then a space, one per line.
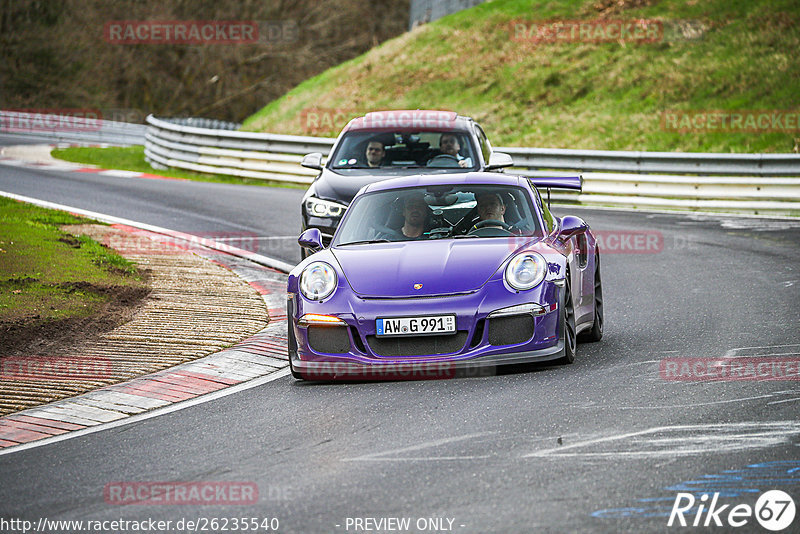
432, 276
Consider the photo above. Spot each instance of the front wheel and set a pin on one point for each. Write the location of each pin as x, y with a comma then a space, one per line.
568, 325
596, 333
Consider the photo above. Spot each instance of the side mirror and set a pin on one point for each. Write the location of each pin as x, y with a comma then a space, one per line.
312, 161
499, 160
311, 239
572, 226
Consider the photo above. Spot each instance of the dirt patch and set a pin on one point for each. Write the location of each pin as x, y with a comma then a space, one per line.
30, 335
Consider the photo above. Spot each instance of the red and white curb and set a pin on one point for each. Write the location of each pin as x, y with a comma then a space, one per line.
252, 362
66, 166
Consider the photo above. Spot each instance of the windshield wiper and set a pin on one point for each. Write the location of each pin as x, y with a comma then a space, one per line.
366, 241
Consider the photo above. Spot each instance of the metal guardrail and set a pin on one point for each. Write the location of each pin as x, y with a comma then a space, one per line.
771, 182
70, 129
657, 162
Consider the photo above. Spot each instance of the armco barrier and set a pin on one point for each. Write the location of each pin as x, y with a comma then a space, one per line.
755, 183
70, 129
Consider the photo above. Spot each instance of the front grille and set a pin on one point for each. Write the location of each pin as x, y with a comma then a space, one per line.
417, 345
510, 330
329, 339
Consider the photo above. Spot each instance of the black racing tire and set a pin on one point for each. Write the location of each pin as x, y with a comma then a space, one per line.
295, 374
291, 341
596, 332
568, 325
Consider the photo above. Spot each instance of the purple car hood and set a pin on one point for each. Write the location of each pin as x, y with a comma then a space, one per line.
441, 267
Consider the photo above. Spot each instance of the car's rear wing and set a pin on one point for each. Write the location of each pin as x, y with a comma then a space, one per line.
574, 183
558, 182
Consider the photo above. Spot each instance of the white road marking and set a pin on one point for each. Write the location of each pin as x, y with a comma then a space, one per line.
150, 415
381, 456
736, 353
686, 440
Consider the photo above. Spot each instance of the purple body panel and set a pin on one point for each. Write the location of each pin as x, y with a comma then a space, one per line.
392, 269
464, 277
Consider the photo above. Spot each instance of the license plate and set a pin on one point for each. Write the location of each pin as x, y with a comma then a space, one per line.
415, 326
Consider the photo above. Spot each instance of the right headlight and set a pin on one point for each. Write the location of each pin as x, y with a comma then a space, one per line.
317, 281
526, 271
324, 208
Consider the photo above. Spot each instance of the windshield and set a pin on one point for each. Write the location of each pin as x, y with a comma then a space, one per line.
381, 149
438, 212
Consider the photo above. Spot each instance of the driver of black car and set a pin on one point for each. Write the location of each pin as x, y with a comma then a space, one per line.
449, 148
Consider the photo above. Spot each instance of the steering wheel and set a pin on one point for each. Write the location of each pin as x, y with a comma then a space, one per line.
492, 222
443, 158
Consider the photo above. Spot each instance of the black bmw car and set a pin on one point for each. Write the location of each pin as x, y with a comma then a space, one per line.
387, 144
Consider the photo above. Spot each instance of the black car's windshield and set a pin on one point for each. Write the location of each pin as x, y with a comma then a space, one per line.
438, 212
418, 149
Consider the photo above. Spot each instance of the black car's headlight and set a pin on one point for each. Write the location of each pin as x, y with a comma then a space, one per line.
324, 208
526, 271
318, 281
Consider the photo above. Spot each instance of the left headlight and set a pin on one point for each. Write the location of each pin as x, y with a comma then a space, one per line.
318, 281
324, 208
526, 271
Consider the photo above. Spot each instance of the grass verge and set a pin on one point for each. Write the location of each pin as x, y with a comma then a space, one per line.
728, 55
49, 275
132, 159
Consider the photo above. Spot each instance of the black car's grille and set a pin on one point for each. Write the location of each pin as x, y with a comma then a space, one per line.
417, 345
329, 339
510, 330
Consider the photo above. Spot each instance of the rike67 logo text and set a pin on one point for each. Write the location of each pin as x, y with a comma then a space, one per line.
774, 510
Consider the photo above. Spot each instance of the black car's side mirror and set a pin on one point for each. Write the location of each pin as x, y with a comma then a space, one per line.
571, 226
312, 161
499, 160
311, 239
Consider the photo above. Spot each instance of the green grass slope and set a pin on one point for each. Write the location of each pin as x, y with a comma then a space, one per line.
714, 55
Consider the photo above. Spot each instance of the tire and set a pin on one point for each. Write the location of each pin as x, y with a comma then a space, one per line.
568, 325
596, 333
295, 374
291, 342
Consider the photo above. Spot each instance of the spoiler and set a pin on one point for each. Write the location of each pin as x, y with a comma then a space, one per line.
557, 182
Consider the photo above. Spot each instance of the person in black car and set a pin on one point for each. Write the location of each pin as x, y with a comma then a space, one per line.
375, 153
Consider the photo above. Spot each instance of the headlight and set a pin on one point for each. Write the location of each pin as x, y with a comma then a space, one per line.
324, 208
526, 271
317, 281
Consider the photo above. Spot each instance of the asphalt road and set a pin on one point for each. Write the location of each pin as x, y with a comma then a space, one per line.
603, 445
